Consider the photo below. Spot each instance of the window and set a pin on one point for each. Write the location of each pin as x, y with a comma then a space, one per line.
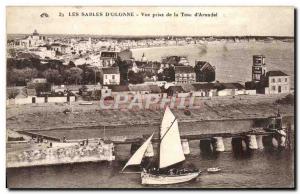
113, 76
286, 80
273, 88
279, 79
105, 76
273, 80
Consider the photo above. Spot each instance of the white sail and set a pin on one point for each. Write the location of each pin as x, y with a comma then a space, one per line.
166, 121
137, 157
171, 151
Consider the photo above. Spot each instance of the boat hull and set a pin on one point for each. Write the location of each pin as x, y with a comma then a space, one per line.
150, 179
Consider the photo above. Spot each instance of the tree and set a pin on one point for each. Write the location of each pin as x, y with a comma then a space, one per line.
74, 75
123, 68
169, 74
135, 78
53, 76
12, 52
71, 64
21, 76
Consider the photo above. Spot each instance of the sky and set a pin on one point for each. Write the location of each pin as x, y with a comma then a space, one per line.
227, 21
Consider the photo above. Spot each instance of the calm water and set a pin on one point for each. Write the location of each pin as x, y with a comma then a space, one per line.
260, 169
233, 61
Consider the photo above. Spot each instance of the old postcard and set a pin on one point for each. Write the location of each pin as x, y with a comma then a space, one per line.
150, 97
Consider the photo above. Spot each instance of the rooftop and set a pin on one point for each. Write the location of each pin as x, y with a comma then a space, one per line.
118, 88
35, 33
275, 73
232, 86
204, 64
184, 69
110, 70
206, 86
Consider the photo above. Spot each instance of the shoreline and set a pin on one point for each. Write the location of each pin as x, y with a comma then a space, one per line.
205, 43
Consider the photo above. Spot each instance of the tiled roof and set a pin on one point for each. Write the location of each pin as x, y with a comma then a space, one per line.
206, 86
276, 73
232, 86
204, 65
184, 69
118, 88
111, 70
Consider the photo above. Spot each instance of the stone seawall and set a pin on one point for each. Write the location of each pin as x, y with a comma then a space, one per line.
26, 154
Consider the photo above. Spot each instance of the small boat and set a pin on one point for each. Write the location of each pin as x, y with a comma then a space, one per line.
212, 170
85, 103
170, 153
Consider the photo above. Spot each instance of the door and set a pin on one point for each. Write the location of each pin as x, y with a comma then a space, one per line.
279, 89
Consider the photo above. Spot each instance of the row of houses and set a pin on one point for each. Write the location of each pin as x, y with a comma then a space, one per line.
29, 96
202, 72
181, 90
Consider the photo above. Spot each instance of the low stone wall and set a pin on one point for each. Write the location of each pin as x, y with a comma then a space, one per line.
59, 153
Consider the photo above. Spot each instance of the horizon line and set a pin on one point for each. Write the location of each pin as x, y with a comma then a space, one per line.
289, 36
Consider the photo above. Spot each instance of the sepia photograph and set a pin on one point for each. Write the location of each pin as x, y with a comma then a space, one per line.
150, 97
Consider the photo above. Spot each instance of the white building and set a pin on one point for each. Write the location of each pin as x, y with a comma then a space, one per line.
110, 76
33, 40
278, 82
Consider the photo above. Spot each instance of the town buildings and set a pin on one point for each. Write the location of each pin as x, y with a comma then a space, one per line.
35, 39
205, 72
113, 59
171, 61
110, 76
271, 82
108, 58
277, 82
185, 74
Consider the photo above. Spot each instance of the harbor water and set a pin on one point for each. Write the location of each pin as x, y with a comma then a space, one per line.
233, 60
258, 169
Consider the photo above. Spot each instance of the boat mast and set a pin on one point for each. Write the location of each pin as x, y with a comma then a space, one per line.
159, 131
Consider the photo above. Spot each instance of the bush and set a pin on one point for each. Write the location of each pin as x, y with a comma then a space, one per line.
288, 99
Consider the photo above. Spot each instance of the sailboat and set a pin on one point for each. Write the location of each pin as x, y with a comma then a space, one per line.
170, 154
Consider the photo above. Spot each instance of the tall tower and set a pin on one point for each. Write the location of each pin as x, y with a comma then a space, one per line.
259, 68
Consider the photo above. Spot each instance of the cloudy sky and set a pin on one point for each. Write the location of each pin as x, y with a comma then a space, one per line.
230, 21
